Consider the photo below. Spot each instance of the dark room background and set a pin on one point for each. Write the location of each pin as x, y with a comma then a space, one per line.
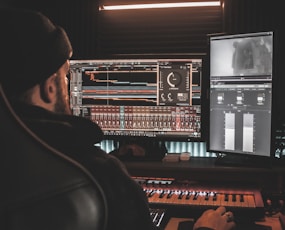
163, 33
152, 32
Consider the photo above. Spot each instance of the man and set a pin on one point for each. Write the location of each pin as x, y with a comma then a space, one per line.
35, 57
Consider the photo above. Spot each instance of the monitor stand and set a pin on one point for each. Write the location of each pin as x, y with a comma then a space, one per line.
233, 160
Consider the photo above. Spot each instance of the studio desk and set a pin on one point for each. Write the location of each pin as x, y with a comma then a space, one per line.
186, 188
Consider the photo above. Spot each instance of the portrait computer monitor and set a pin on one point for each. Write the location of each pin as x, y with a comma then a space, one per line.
149, 100
240, 95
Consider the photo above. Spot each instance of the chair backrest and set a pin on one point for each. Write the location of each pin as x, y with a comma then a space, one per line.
42, 188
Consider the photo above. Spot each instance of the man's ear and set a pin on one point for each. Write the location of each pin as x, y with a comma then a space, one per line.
48, 89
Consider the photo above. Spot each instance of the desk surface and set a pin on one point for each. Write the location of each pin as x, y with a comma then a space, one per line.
203, 170
272, 222
272, 180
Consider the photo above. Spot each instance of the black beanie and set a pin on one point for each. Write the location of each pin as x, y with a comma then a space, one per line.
32, 48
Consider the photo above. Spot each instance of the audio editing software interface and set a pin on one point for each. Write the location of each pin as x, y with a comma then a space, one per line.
151, 98
241, 93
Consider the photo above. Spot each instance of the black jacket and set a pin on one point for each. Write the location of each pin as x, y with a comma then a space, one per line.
76, 136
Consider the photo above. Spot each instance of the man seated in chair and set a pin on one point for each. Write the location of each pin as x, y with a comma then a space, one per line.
35, 57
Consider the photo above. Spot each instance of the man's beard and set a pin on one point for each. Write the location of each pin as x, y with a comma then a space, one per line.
62, 104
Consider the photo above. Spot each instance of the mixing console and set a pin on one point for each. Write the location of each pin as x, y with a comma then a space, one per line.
184, 200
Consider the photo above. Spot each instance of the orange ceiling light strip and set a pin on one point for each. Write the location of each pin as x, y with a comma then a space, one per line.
159, 5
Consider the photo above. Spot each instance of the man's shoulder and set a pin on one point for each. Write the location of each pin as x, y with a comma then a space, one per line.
43, 121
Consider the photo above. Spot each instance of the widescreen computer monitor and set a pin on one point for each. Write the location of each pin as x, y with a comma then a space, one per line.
146, 100
240, 94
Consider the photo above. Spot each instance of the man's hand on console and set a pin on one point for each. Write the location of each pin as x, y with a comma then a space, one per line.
218, 219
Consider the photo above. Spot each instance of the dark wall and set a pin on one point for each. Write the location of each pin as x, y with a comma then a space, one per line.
157, 32
97, 34
144, 33
78, 17
251, 15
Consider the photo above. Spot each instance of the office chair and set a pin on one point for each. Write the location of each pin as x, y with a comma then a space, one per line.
41, 188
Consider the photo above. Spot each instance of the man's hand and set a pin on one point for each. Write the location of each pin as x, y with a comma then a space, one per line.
218, 219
